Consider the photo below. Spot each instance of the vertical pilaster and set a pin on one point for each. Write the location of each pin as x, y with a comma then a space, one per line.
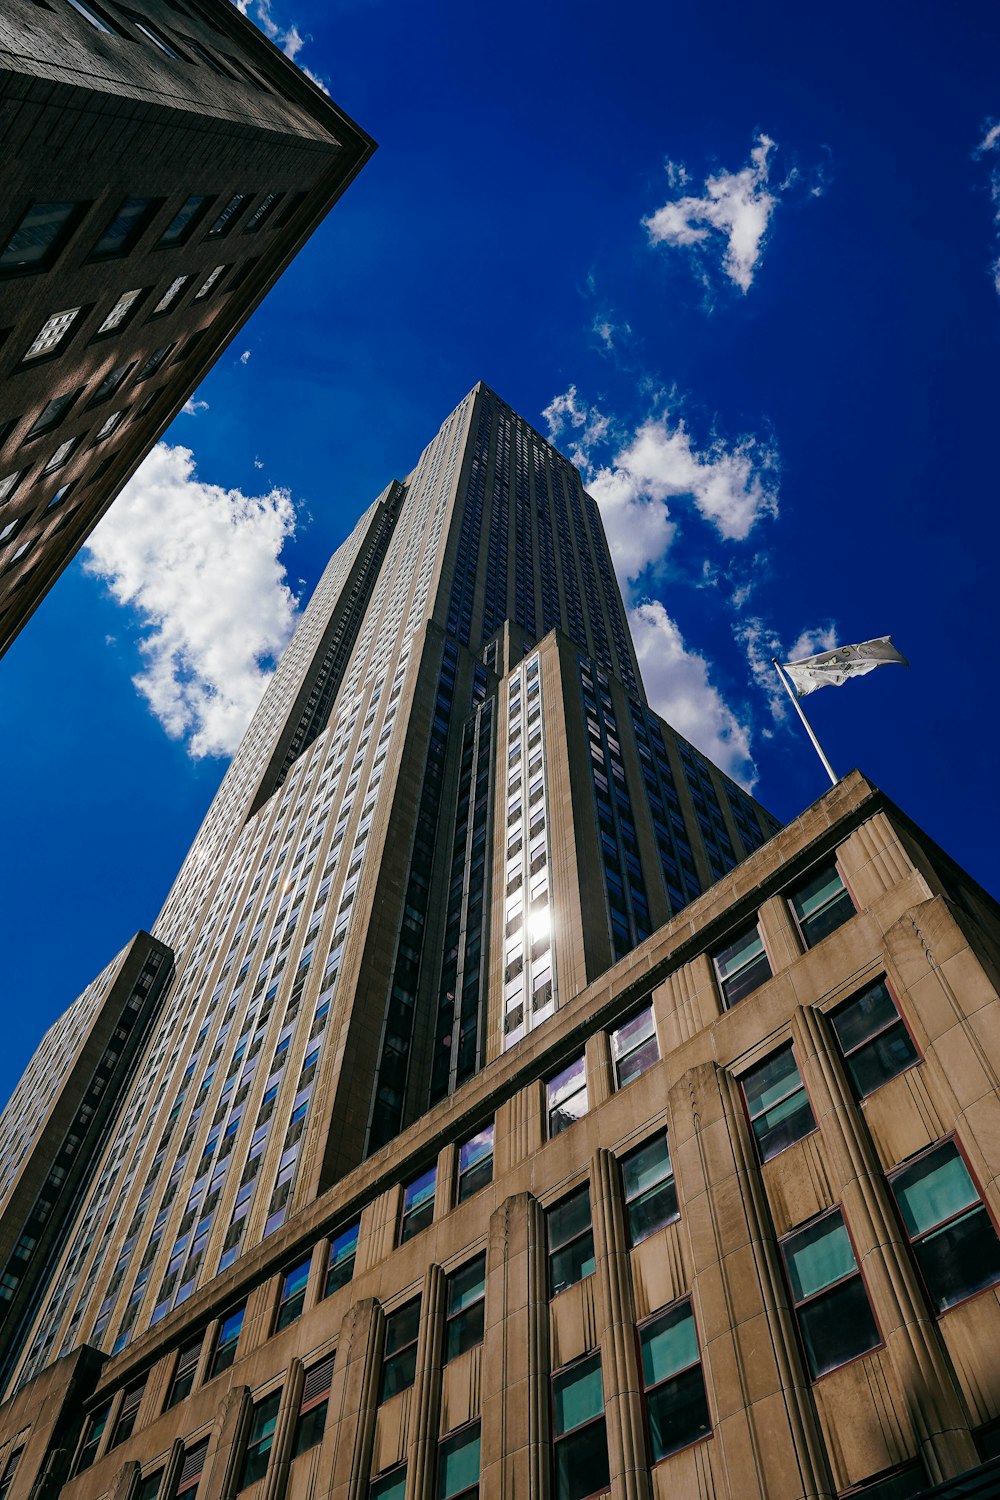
346, 1453
124, 1483
515, 1436
616, 1333
225, 1447
284, 1433
911, 1334
425, 1406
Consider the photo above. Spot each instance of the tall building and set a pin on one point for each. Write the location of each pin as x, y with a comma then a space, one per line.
162, 166
529, 1115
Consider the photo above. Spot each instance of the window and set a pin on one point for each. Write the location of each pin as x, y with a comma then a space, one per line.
580, 1445
399, 1360
293, 1296
262, 212
152, 32
53, 412
9, 1470
191, 1471
110, 384
186, 1368
125, 228
92, 1434
9, 484
475, 1163
149, 1488
110, 424
260, 1438
226, 1340
820, 904
464, 1318
742, 966
154, 362
224, 223
171, 295
418, 1204
676, 1406
650, 1191
391, 1486
872, 1038
905, 1482
566, 1096
127, 1413
777, 1103
571, 1241
62, 455
312, 1407
340, 1267
53, 334
208, 283
831, 1306
121, 312
99, 19
40, 236
184, 222
60, 495
948, 1225
458, 1465
634, 1047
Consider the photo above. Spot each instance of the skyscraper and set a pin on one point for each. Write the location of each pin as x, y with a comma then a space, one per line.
510, 1103
161, 168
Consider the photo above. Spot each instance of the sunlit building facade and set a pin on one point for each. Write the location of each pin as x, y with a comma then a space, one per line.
529, 1115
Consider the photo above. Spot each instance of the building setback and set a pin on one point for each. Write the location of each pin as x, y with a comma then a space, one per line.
162, 166
529, 1116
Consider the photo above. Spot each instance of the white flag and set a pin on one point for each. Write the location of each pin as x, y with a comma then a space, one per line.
831, 668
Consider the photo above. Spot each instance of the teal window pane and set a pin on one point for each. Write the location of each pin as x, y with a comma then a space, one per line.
668, 1345
458, 1466
746, 948
577, 1395
390, 1486
569, 1218
823, 887
934, 1189
775, 1080
646, 1167
467, 1285
818, 1256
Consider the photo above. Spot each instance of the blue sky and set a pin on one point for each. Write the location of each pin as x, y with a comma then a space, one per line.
743, 258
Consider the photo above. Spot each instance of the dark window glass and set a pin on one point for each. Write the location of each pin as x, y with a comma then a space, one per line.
466, 1307
52, 413
154, 362
260, 1439
418, 1204
127, 1413
40, 236
391, 1486
187, 1364
834, 1316
227, 218
571, 1241
676, 1406
293, 1296
226, 1341
9, 1470
149, 1488
399, 1361
905, 1483
92, 1434
742, 966
821, 904
873, 1039
262, 212
777, 1102
951, 1232
475, 1163
125, 228
566, 1096
580, 1445
184, 221
634, 1047
458, 1465
109, 384
340, 1267
650, 1191
313, 1407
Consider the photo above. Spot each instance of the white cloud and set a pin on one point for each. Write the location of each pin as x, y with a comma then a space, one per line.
245, 357
735, 207
990, 142
200, 565
680, 690
191, 407
289, 38
586, 427
991, 139
762, 644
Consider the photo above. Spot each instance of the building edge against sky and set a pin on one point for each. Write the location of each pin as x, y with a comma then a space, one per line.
147, 211
458, 888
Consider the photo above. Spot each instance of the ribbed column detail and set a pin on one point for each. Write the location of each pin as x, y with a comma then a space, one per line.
346, 1452
284, 1433
425, 1406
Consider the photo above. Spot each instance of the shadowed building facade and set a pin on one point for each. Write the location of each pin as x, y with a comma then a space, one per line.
529, 1115
162, 165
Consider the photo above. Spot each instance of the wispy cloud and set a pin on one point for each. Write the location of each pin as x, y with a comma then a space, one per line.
763, 644
987, 146
245, 357
648, 480
200, 566
732, 215
191, 407
288, 37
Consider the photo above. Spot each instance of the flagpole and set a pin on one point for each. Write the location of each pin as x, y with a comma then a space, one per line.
806, 724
